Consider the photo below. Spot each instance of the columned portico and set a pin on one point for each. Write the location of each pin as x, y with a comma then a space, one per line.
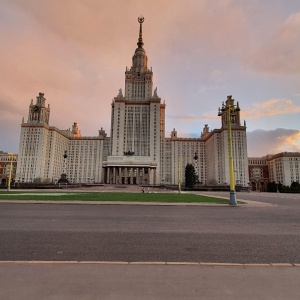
129, 170
129, 175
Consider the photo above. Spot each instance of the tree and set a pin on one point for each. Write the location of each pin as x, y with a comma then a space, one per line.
190, 176
295, 187
273, 187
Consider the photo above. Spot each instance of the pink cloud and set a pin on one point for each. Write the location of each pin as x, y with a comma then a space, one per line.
76, 53
281, 53
270, 107
262, 142
186, 117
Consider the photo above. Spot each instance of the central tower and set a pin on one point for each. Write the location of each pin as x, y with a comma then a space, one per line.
138, 116
138, 79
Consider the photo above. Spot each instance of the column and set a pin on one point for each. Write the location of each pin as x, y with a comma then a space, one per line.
149, 176
120, 175
108, 175
114, 175
125, 175
138, 175
103, 174
131, 175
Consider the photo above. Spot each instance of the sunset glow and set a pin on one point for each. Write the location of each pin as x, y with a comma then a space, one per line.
76, 52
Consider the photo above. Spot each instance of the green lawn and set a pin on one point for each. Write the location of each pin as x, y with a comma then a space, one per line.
93, 196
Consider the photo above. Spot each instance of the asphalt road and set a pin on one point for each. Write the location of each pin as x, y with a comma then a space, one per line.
290, 201
152, 233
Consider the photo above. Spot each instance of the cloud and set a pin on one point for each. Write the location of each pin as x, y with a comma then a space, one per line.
76, 53
263, 142
281, 53
270, 107
185, 117
197, 119
186, 135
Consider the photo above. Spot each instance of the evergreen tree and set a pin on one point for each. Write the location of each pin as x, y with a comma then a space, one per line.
190, 176
272, 187
295, 187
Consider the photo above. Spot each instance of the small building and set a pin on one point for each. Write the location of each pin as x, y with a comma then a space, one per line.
258, 173
284, 167
8, 163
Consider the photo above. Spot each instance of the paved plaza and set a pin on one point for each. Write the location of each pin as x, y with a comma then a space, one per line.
76, 251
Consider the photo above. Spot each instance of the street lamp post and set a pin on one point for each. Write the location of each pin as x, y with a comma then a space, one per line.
196, 167
179, 175
10, 171
2, 174
163, 183
230, 110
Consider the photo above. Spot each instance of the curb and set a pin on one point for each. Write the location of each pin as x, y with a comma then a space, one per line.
203, 264
247, 203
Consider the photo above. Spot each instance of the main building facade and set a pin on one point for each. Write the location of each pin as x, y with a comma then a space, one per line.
137, 151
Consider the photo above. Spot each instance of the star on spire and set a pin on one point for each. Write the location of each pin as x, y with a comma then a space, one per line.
140, 42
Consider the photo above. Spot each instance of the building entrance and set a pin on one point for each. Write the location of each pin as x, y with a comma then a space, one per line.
129, 175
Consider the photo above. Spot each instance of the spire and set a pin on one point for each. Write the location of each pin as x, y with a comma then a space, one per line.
139, 59
140, 42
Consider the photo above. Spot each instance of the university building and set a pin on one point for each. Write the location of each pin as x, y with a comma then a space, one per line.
137, 150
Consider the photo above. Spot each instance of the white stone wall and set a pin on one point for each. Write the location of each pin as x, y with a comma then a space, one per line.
32, 152
84, 162
284, 167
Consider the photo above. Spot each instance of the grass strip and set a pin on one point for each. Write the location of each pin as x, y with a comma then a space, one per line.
108, 196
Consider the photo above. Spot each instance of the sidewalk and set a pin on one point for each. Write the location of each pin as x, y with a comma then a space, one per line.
96, 280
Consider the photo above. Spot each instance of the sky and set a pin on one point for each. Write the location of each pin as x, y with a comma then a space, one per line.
200, 51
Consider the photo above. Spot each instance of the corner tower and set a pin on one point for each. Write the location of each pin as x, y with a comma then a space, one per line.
38, 112
34, 147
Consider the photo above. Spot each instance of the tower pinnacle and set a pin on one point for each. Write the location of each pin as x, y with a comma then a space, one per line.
139, 59
140, 42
